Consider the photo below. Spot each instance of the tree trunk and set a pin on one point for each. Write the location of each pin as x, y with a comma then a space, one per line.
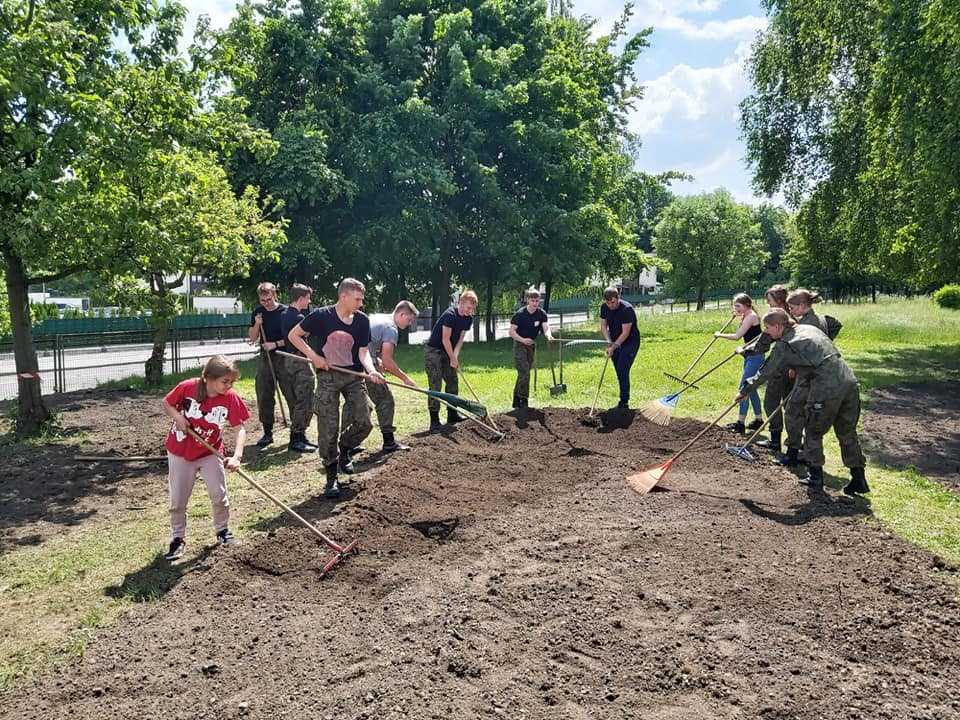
873, 292
153, 368
700, 292
491, 318
547, 292
32, 412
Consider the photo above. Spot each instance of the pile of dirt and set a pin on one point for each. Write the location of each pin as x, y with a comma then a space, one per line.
917, 425
523, 579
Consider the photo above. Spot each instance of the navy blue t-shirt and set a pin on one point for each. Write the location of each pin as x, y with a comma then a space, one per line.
288, 321
616, 319
272, 328
457, 323
529, 324
338, 342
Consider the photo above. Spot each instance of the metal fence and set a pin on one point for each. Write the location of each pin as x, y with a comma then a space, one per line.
79, 361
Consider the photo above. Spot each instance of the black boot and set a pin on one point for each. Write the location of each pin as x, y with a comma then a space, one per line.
435, 425
346, 461
791, 459
738, 427
773, 443
756, 424
858, 485
298, 443
267, 438
814, 478
390, 444
516, 403
332, 489
453, 417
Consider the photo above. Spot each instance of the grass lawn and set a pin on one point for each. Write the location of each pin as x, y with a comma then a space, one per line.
54, 596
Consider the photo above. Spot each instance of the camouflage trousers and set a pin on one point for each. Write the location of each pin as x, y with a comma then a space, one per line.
839, 409
776, 390
266, 389
524, 356
297, 382
795, 412
439, 373
382, 400
330, 386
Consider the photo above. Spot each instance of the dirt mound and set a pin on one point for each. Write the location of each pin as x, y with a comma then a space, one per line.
524, 579
917, 425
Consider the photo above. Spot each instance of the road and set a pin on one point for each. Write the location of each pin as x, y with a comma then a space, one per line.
89, 367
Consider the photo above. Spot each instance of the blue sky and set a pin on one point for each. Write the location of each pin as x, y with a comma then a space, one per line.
694, 78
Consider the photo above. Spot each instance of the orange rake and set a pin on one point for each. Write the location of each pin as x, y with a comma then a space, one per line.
645, 480
340, 551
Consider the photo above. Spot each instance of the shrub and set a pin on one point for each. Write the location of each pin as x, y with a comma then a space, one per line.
948, 296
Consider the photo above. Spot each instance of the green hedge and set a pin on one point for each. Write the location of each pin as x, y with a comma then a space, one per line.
948, 296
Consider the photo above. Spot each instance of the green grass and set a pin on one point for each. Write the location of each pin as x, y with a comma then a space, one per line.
84, 578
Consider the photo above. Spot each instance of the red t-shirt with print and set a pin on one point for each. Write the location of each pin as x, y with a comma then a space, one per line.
207, 419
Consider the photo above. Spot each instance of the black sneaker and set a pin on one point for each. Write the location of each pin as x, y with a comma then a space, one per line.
756, 424
737, 427
177, 547
790, 459
225, 537
266, 439
390, 444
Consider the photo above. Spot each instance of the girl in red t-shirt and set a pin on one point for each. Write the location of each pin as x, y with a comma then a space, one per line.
204, 404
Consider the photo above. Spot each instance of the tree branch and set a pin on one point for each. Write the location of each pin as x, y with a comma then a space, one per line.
173, 283
51, 277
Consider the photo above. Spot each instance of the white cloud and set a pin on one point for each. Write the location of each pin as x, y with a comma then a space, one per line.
737, 28
688, 93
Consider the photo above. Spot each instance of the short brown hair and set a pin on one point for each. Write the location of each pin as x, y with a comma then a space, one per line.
470, 296
298, 290
743, 299
531, 293
611, 293
778, 316
802, 296
777, 294
266, 287
407, 307
350, 284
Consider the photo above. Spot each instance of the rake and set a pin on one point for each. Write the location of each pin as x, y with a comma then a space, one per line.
660, 411
340, 551
689, 370
743, 451
473, 410
561, 388
590, 420
644, 481
485, 415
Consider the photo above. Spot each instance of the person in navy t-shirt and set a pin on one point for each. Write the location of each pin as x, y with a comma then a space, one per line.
618, 326
525, 325
265, 331
342, 333
441, 354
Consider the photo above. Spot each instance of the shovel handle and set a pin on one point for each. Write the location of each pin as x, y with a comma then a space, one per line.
599, 385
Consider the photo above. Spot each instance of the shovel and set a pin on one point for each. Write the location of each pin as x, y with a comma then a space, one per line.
340, 551
561, 388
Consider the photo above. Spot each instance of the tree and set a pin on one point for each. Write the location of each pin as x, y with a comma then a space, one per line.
58, 64
711, 242
853, 118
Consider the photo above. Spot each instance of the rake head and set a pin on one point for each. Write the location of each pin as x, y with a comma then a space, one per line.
681, 381
645, 480
740, 451
660, 411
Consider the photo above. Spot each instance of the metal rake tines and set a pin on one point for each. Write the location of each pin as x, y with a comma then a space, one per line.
740, 451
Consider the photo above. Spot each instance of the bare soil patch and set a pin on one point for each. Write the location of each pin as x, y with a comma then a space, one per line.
523, 579
917, 425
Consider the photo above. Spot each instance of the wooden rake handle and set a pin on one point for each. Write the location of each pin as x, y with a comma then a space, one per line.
270, 496
273, 374
769, 418
596, 397
703, 432
704, 351
402, 386
727, 359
